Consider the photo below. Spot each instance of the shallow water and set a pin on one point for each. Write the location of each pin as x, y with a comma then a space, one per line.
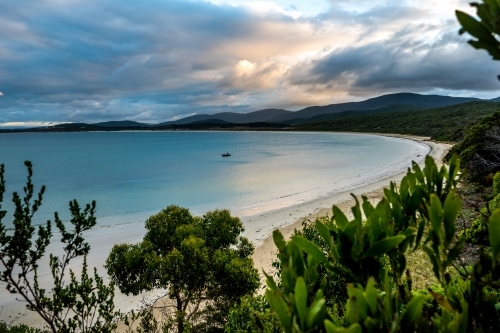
134, 174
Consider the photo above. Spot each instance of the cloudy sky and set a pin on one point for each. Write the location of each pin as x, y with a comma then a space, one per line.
158, 60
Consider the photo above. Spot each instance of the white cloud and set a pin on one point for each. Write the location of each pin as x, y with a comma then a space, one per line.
1, 93
19, 124
264, 7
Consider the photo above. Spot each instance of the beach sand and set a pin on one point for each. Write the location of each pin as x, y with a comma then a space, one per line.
291, 218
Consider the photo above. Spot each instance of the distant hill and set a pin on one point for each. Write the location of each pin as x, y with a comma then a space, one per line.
121, 123
445, 123
232, 117
353, 113
209, 121
381, 104
417, 101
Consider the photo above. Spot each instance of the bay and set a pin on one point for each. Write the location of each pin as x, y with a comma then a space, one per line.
134, 174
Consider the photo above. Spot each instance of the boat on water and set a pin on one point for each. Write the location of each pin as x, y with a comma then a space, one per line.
226, 155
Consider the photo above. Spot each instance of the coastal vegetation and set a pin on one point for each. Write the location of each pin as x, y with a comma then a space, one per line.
202, 264
70, 304
444, 124
480, 146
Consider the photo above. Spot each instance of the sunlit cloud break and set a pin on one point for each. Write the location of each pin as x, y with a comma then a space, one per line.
15, 124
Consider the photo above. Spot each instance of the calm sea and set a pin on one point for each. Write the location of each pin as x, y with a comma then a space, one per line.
132, 175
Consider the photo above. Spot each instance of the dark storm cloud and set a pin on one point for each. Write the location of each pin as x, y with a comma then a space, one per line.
403, 63
89, 58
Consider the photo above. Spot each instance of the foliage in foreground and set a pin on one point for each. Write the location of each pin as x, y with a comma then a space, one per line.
202, 263
370, 251
486, 29
71, 304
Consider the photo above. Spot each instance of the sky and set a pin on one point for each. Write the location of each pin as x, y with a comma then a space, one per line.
159, 60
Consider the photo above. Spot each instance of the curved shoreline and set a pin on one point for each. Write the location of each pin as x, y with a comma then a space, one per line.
259, 227
288, 219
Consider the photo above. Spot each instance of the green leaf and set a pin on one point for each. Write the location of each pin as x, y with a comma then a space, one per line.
493, 50
316, 309
367, 206
279, 306
271, 284
473, 27
414, 202
309, 247
435, 214
384, 246
412, 313
410, 231
454, 252
494, 230
330, 327
361, 304
354, 328
420, 233
301, 299
279, 240
324, 232
452, 207
298, 261
435, 264
339, 217
371, 294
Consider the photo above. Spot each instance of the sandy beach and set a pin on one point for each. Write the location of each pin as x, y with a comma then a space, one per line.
291, 218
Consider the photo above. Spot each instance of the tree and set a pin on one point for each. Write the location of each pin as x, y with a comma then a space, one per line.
201, 262
486, 30
71, 305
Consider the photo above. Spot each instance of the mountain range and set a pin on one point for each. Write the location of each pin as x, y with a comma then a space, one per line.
382, 104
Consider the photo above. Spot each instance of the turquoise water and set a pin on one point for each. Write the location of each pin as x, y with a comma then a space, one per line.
134, 174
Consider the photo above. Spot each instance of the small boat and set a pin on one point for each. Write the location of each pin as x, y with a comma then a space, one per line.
226, 155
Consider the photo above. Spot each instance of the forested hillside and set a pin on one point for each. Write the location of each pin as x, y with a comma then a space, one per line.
445, 123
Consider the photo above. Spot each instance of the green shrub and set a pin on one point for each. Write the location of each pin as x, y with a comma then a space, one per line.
21, 328
496, 183
253, 314
495, 203
477, 233
335, 286
371, 251
431, 306
69, 303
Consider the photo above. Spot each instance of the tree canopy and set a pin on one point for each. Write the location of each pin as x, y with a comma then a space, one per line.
202, 263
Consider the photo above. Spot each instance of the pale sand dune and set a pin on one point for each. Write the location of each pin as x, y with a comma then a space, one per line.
289, 219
